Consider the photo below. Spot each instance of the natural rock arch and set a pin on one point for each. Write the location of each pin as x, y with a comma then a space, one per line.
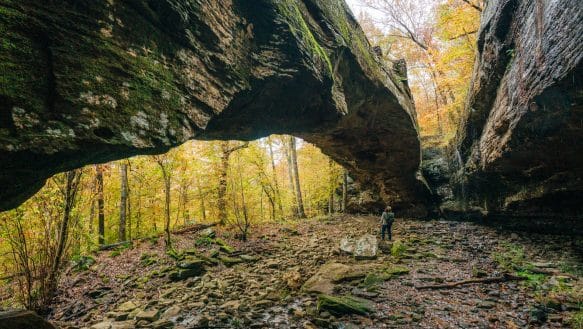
92, 81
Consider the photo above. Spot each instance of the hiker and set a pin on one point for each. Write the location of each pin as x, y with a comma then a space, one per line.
387, 219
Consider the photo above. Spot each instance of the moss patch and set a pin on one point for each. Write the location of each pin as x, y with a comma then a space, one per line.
300, 29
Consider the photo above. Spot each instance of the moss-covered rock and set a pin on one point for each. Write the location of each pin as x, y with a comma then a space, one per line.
332, 273
224, 247
342, 305
182, 274
191, 263
230, 261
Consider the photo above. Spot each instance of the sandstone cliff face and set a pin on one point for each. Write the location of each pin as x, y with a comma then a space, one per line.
519, 149
91, 81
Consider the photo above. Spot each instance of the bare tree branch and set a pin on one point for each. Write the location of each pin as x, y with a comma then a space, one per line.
463, 35
473, 5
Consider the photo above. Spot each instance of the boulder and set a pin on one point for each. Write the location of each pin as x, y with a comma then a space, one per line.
19, 319
183, 274
150, 315
93, 81
347, 245
366, 247
127, 306
208, 233
171, 312
343, 305
192, 263
224, 247
329, 274
230, 261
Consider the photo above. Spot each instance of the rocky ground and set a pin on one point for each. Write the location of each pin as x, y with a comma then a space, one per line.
293, 275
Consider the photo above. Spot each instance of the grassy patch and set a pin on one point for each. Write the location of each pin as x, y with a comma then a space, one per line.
175, 254
398, 249
576, 320
511, 258
148, 259
572, 268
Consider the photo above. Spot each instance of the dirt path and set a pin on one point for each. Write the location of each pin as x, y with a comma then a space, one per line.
264, 290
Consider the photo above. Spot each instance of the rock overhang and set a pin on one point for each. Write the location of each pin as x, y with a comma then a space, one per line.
92, 81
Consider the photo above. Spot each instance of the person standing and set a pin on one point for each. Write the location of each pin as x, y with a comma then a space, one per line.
387, 219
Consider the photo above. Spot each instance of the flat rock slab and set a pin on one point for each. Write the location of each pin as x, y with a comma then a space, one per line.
23, 320
342, 305
127, 306
329, 274
150, 315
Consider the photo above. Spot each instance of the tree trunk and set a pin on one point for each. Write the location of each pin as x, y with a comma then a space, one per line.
123, 203
290, 171
226, 151
277, 192
294, 159
261, 215
139, 211
166, 177
185, 210
69, 195
222, 190
331, 203
201, 197
100, 205
245, 225
344, 189
91, 215
167, 211
331, 187
129, 211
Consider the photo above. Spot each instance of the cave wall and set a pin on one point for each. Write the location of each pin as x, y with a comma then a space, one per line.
519, 150
85, 81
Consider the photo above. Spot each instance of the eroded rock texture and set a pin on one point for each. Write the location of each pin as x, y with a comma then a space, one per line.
519, 151
85, 81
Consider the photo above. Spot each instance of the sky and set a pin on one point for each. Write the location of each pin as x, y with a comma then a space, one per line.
357, 6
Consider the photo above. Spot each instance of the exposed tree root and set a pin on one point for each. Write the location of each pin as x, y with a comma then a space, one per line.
504, 278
